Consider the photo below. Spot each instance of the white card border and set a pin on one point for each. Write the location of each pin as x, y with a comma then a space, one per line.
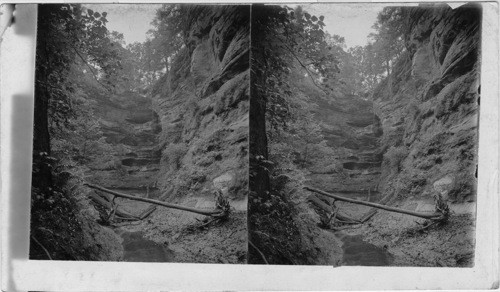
121, 276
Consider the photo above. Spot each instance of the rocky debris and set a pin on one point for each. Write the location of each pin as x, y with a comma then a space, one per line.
223, 182
443, 186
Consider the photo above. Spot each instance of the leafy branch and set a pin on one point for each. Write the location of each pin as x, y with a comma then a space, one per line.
309, 73
90, 68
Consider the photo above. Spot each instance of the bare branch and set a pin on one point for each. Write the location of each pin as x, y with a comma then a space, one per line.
43, 247
258, 250
304, 66
433, 216
90, 68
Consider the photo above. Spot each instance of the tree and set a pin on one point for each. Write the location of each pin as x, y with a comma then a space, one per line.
73, 51
54, 54
387, 42
71, 40
282, 39
164, 41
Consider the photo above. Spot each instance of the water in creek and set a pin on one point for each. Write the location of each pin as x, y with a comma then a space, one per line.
360, 253
138, 249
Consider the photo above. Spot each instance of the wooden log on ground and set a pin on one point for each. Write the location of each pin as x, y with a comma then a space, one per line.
322, 205
106, 204
147, 212
375, 205
127, 218
100, 200
384, 201
147, 200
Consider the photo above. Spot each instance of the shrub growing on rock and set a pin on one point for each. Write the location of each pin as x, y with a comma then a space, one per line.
395, 155
173, 154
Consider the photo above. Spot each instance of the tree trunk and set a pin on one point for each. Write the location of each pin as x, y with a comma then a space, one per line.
259, 177
42, 178
156, 202
375, 205
325, 207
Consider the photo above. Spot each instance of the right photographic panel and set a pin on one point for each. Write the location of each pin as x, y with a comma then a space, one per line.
364, 134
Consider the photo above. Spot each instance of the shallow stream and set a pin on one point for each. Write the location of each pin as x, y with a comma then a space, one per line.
360, 253
138, 249
356, 251
135, 246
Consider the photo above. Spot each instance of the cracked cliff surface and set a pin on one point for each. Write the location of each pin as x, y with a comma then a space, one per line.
429, 117
203, 113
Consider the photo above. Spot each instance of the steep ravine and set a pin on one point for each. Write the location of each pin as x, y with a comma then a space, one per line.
130, 128
414, 138
182, 142
351, 128
202, 105
428, 111
353, 131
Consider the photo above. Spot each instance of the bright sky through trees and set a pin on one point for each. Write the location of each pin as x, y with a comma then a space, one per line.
351, 21
133, 20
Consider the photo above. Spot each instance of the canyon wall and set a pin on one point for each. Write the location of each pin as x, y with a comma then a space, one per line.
203, 106
353, 131
130, 128
428, 108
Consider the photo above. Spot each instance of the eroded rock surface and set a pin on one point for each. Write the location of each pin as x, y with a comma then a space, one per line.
203, 112
351, 128
131, 128
431, 114
429, 118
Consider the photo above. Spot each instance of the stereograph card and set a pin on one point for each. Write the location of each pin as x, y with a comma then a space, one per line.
249, 146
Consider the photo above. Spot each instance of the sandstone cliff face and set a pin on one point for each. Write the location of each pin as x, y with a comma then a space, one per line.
352, 129
429, 110
131, 129
203, 107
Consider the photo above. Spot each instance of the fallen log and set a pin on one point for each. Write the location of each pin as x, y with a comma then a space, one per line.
96, 198
433, 216
214, 213
147, 212
385, 200
127, 218
325, 207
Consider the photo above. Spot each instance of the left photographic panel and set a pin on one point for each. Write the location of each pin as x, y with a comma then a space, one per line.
140, 147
